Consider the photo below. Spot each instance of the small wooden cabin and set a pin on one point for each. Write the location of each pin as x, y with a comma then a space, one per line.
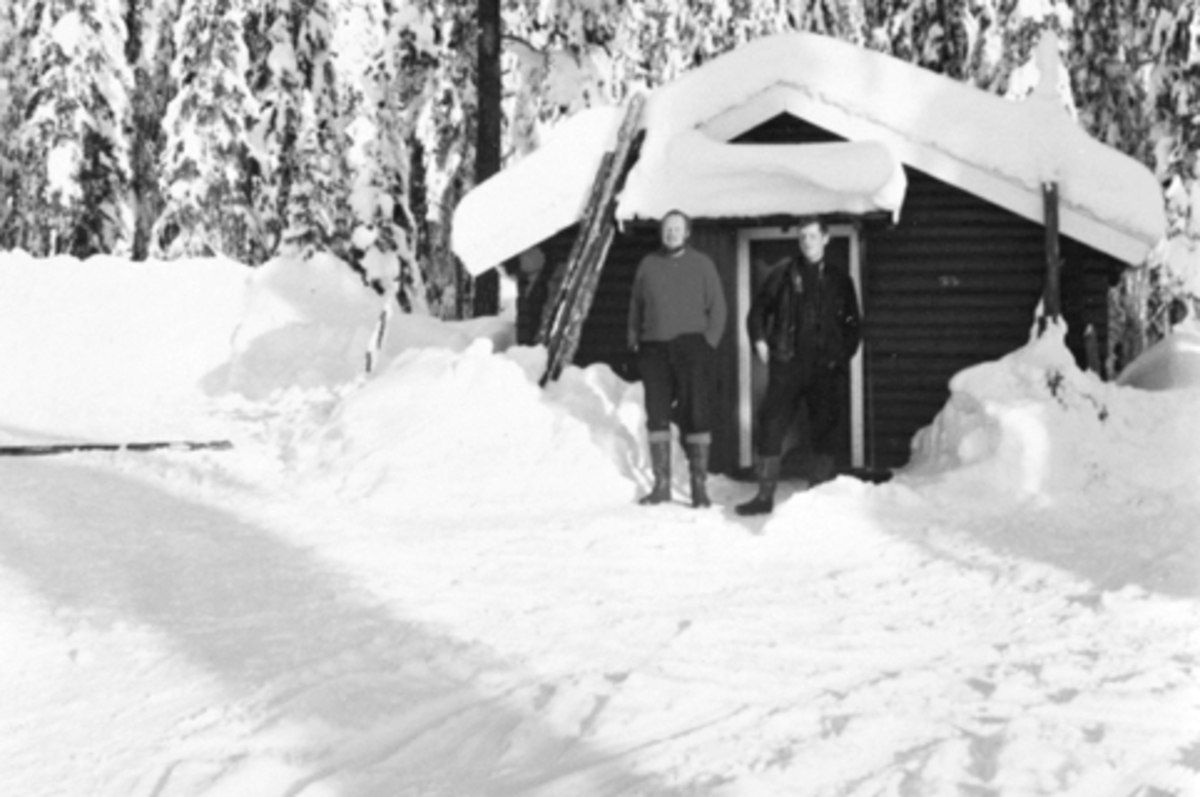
949, 273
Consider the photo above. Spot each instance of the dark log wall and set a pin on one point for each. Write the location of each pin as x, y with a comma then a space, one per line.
954, 283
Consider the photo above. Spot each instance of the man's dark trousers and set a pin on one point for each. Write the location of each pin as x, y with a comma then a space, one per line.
678, 372
826, 393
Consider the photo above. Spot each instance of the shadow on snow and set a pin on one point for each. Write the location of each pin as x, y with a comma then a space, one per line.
396, 705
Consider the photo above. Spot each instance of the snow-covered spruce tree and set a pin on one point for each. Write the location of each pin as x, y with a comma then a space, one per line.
316, 216
74, 137
379, 124
436, 87
206, 173
12, 93
1002, 64
294, 137
575, 53
945, 36
150, 50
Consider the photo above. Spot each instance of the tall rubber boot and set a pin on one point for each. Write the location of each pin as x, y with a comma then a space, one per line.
698, 471
660, 466
768, 480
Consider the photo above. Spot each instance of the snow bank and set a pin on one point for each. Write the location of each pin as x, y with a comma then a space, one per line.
406, 332
108, 347
129, 351
475, 427
1032, 426
311, 324
126, 351
1170, 364
305, 324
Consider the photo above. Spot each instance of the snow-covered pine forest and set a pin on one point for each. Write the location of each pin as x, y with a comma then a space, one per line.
259, 128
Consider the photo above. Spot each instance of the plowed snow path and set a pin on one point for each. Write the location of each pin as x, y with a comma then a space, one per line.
178, 632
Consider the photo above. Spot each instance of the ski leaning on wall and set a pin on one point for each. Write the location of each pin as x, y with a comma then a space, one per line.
562, 326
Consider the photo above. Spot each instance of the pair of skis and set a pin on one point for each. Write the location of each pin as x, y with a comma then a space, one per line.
562, 324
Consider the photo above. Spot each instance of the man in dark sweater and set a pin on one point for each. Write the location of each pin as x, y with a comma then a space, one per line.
676, 319
804, 322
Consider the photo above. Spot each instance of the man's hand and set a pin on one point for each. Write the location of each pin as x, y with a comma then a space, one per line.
762, 350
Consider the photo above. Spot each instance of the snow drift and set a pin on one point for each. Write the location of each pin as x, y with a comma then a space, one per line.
466, 411
1033, 426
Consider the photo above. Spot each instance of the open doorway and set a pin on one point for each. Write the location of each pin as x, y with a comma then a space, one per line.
760, 250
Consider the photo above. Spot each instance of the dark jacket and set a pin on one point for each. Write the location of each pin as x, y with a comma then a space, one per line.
807, 317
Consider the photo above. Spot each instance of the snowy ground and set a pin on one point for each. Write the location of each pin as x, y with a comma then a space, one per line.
435, 581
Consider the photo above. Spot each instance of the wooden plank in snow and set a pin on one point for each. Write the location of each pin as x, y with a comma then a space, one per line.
45, 449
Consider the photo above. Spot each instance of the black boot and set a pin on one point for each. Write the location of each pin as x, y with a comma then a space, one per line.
660, 465
698, 470
768, 480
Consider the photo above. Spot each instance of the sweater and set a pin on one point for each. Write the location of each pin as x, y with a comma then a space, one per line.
676, 295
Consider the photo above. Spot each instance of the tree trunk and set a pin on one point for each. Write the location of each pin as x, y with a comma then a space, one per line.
487, 145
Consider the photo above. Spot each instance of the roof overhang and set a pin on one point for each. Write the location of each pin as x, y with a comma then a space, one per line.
547, 191
536, 197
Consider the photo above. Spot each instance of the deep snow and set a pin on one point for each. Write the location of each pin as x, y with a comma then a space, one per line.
893, 112
433, 580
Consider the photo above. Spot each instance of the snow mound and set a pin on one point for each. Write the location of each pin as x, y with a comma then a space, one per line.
407, 332
311, 324
1032, 426
473, 426
305, 324
109, 348
1171, 364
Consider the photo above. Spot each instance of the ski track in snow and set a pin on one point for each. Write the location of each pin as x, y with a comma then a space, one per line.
256, 633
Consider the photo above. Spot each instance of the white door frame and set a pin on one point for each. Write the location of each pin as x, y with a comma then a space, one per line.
745, 409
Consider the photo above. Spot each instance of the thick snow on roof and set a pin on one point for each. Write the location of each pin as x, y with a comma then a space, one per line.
713, 179
536, 197
999, 149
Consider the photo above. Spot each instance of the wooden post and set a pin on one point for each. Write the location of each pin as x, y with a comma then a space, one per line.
1051, 299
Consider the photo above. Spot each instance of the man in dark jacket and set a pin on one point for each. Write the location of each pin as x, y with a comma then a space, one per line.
676, 319
804, 322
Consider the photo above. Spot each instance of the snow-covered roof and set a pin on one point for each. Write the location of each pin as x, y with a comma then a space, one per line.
709, 178
998, 149
537, 196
